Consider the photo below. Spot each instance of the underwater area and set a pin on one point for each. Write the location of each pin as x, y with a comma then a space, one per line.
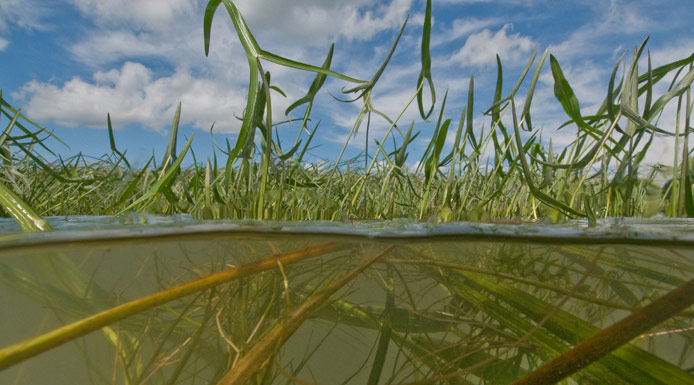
388, 302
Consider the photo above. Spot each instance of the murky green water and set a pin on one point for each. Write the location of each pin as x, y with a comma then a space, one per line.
458, 300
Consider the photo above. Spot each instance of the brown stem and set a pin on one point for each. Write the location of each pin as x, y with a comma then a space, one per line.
613, 337
20, 351
265, 349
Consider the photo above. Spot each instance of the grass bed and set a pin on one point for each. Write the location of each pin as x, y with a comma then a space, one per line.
499, 311
503, 172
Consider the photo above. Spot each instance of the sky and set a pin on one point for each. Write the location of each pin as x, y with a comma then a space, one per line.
67, 63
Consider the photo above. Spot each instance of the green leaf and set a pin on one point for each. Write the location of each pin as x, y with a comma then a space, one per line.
383, 340
425, 72
682, 86
630, 94
469, 129
170, 154
565, 94
21, 212
112, 140
315, 86
688, 198
432, 142
368, 86
629, 362
165, 180
525, 115
432, 162
207, 22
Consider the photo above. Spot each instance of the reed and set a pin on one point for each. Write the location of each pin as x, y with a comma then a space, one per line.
498, 312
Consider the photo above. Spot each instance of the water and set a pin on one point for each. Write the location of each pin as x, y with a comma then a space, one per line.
455, 296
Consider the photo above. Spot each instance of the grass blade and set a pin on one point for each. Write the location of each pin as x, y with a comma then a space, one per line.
265, 350
21, 212
565, 94
163, 182
18, 352
615, 336
425, 72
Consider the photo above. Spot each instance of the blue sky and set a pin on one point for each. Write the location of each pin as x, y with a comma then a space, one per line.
67, 63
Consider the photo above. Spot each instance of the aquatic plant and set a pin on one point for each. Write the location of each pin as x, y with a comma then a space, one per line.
482, 313
503, 172
428, 311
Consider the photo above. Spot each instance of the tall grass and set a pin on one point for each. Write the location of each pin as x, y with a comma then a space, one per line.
450, 313
501, 172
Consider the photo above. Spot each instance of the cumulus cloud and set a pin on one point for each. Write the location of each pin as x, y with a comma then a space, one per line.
462, 27
169, 30
480, 49
520, 2
318, 22
144, 15
133, 95
172, 29
105, 47
168, 34
3, 43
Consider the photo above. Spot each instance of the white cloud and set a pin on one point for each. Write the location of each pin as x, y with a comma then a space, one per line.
133, 96
129, 31
132, 29
480, 49
22, 13
318, 22
522, 2
613, 20
26, 14
149, 15
460, 28
173, 28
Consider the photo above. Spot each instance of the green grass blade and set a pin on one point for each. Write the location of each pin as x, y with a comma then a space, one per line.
164, 180
432, 142
682, 86
207, 22
432, 163
565, 94
401, 155
13, 111
630, 94
315, 85
21, 212
469, 129
660, 72
10, 126
425, 72
516, 87
170, 154
525, 115
112, 140
628, 361
368, 86
383, 340
129, 190
269, 56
